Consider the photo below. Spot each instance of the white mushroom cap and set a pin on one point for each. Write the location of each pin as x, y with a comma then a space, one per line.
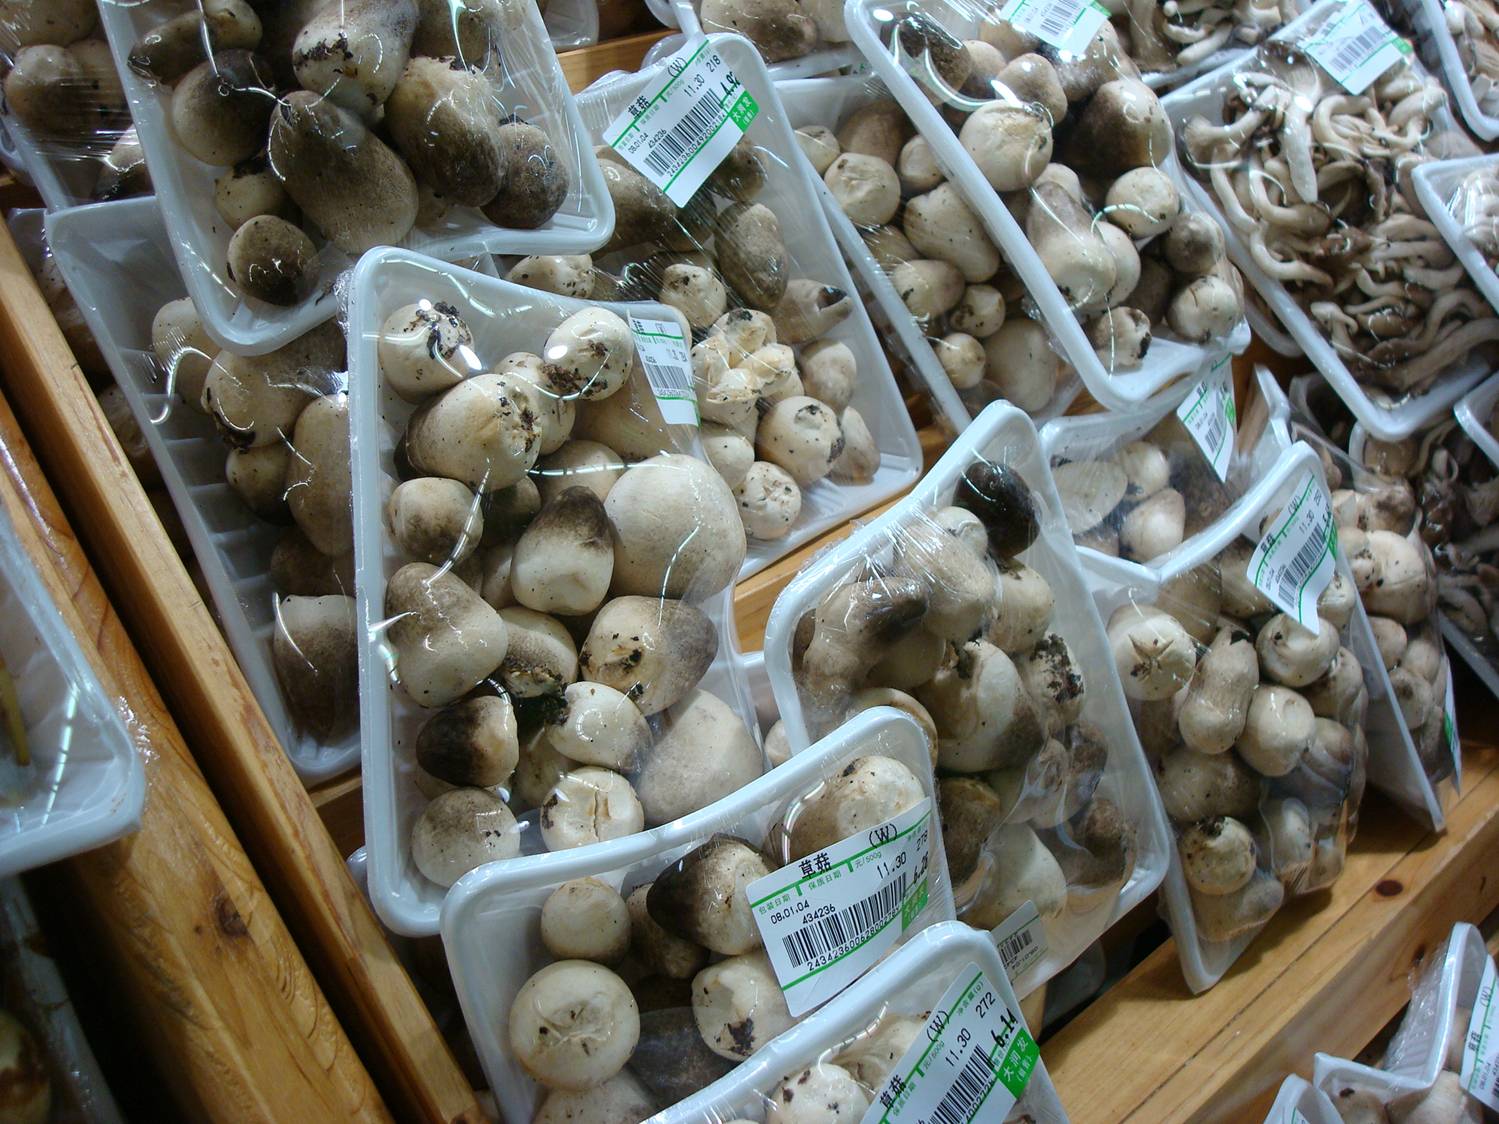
822, 1094
460, 831
600, 726
589, 805
586, 464
917, 167
586, 919
434, 519
819, 144
730, 453
864, 794
704, 754
590, 354
564, 560
1217, 855
769, 501
1022, 364
425, 348
802, 436
980, 313
1011, 144
829, 372
962, 358
555, 413
1143, 201
1279, 732
866, 187
573, 1025
1206, 309
483, 431
738, 1005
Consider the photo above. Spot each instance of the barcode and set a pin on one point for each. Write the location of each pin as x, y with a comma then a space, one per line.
968, 1090
1013, 945
1060, 15
686, 136
1301, 565
846, 926
1356, 50
1213, 438
667, 378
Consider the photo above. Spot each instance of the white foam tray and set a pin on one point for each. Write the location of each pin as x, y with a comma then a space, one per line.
1005, 435
910, 982
829, 101
85, 785
519, 319
1390, 422
1414, 1057
535, 88
1438, 50
491, 918
814, 254
1300, 1102
1166, 361
1436, 183
117, 261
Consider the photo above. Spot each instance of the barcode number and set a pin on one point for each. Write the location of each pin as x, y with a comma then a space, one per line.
1300, 567
1355, 50
847, 925
968, 1090
1013, 945
686, 136
1060, 15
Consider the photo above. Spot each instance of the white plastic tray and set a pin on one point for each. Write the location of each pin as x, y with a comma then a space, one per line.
1438, 51
1436, 182
804, 228
490, 920
910, 982
1300, 1102
1415, 1054
117, 261
1166, 361
519, 318
85, 785
1005, 435
828, 101
534, 88
61, 178
1473, 411
1390, 422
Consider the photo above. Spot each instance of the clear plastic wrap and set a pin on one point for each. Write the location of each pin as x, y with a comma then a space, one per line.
1460, 40
65, 112
1172, 43
1064, 159
571, 23
1312, 186
1135, 485
70, 773
989, 344
779, 329
1462, 199
231, 485
1426, 1063
797, 38
662, 929
1300, 1102
324, 129
545, 562
965, 604
34, 1000
1254, 725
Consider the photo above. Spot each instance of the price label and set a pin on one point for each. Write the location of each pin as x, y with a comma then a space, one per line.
663, 353
1209, 416
1068, 25
1295, 560
1021, 940
680, 128
829, 917
1480, 1072
973, 1063
1356, 46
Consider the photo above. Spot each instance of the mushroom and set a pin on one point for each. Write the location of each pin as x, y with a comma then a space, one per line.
659, 952
446, 638
675, 527
1198, 786
622, 1097
860, 459
535, 182
824, 1093
586, 919
599, 726
738, 1005
424, 349
573, 1025
444, 120
802, 436
865, 793
769, 501
1278, 732
1217, 855
1222, 917
482, 431
460, 831
959, 583
1023, 604
1010, 143
589, 354
652, 650
984, 714
1154, 527
589, 805
1018, 868
705, 754
564, 560
865, 187
941, 225
1293, 655
1154, 654
472, 743
1216, 706
1143, 202
315, 654
703, 896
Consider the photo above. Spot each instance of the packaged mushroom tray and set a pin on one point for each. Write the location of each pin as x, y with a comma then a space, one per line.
1460, 40
544, 571
253, 451
1441, 1064
1175, 41
1311, 182
1462, 198
796, 38
1386, 532
645, 970
1064, 161
1136, 485
315, 131
800, 413
64, 108
70, 775
1253, 721
956, 309
942, 996
965, 604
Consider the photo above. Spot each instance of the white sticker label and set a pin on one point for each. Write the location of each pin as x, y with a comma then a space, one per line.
1480, 1073
677, 131
1021, 940
1294, 562
1355, 46
1449, 731
972, 1064
663, 353
829, 917
1068, 25
1208, 413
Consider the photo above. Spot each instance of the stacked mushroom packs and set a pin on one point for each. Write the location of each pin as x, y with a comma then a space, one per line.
61, 86
933, 248
1075, 147
1315, 185
353, 122
284, 417
958, 606
545, 553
